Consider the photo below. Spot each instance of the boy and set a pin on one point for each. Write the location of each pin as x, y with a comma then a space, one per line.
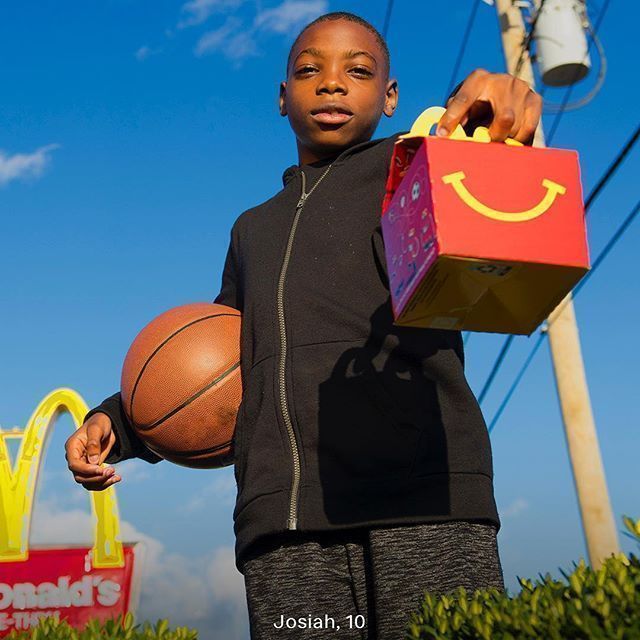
362, 460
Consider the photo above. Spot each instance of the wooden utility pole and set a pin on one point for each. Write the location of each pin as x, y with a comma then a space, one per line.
562, 329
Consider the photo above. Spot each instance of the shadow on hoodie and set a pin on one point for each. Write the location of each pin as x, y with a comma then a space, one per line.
380, 424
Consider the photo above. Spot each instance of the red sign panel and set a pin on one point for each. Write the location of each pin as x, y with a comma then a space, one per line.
62, 582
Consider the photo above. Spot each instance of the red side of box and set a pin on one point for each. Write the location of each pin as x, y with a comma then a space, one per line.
508, 180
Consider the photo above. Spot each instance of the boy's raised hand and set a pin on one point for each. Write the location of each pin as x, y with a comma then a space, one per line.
502, 102
86, 449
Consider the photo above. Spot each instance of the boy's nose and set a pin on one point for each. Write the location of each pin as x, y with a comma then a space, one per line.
331, 85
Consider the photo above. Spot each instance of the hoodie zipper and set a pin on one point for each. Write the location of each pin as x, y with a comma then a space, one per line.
292, 519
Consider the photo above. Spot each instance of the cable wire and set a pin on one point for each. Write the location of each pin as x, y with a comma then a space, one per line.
601, 256
595, 192
387, 19
496, 366
516, 381
463, 47
620, 231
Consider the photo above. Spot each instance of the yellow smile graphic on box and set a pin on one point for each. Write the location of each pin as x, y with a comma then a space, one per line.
553, 189
421, 129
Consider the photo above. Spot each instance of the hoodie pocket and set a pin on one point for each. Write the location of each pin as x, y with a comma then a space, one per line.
262, 464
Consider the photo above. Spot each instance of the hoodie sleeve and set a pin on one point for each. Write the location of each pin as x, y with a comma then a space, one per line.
231, 290
128, 444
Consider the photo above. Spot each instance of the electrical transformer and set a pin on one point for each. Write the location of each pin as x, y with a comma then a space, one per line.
562, 49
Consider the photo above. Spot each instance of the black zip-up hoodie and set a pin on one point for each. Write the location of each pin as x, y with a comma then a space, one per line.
347, 420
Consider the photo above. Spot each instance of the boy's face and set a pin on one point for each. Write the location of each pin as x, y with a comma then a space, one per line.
335, 93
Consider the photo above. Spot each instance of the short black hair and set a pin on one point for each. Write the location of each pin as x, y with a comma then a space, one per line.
352, 17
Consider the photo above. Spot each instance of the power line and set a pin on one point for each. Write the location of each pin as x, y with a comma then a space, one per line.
620, 231
463, 47
567, 95
387, 18
496, 366
595, 192
605, 252
516, 381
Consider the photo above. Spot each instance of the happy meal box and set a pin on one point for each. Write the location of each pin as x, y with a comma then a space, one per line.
480, 237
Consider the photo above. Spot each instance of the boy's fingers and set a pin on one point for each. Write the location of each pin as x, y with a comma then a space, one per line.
460, 104
94, 438
81, 478
75, 456
102, 474
503, 123
531, 119
102, 486
82, 468
528, 128
93, 482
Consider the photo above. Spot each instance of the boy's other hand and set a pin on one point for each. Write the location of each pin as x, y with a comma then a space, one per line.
502, 102
86, 449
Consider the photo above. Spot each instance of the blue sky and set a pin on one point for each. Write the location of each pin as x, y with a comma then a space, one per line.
132, 134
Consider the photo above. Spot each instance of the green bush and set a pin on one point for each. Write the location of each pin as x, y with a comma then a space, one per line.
52, 629
587, 604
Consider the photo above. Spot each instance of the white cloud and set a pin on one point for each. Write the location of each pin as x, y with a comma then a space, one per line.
241, 46
216, 39
223, 575
518, 506
237, 44
21, 166
227, 585
204, 593
145, 52
290, 15
221, 490
198, 11
233, 43
132, 470
53, 525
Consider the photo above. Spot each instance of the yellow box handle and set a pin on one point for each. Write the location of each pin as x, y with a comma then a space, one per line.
430, 117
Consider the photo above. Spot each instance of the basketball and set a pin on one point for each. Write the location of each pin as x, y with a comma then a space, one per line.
181, 385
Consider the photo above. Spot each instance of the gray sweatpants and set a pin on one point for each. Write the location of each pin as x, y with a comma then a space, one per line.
362, 583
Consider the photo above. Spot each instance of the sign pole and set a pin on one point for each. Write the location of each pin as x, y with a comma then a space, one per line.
571, 382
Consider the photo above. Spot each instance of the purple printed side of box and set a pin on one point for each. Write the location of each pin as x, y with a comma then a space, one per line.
409, 231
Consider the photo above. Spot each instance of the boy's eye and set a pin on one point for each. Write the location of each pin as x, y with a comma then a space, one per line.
362, 71
305, 69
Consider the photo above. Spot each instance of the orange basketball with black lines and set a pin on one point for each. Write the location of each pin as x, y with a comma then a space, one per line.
181, 385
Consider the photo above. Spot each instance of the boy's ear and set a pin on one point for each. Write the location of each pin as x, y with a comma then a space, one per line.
282, 99
391, 97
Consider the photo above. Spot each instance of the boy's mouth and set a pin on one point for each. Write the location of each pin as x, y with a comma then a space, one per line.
332, 113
